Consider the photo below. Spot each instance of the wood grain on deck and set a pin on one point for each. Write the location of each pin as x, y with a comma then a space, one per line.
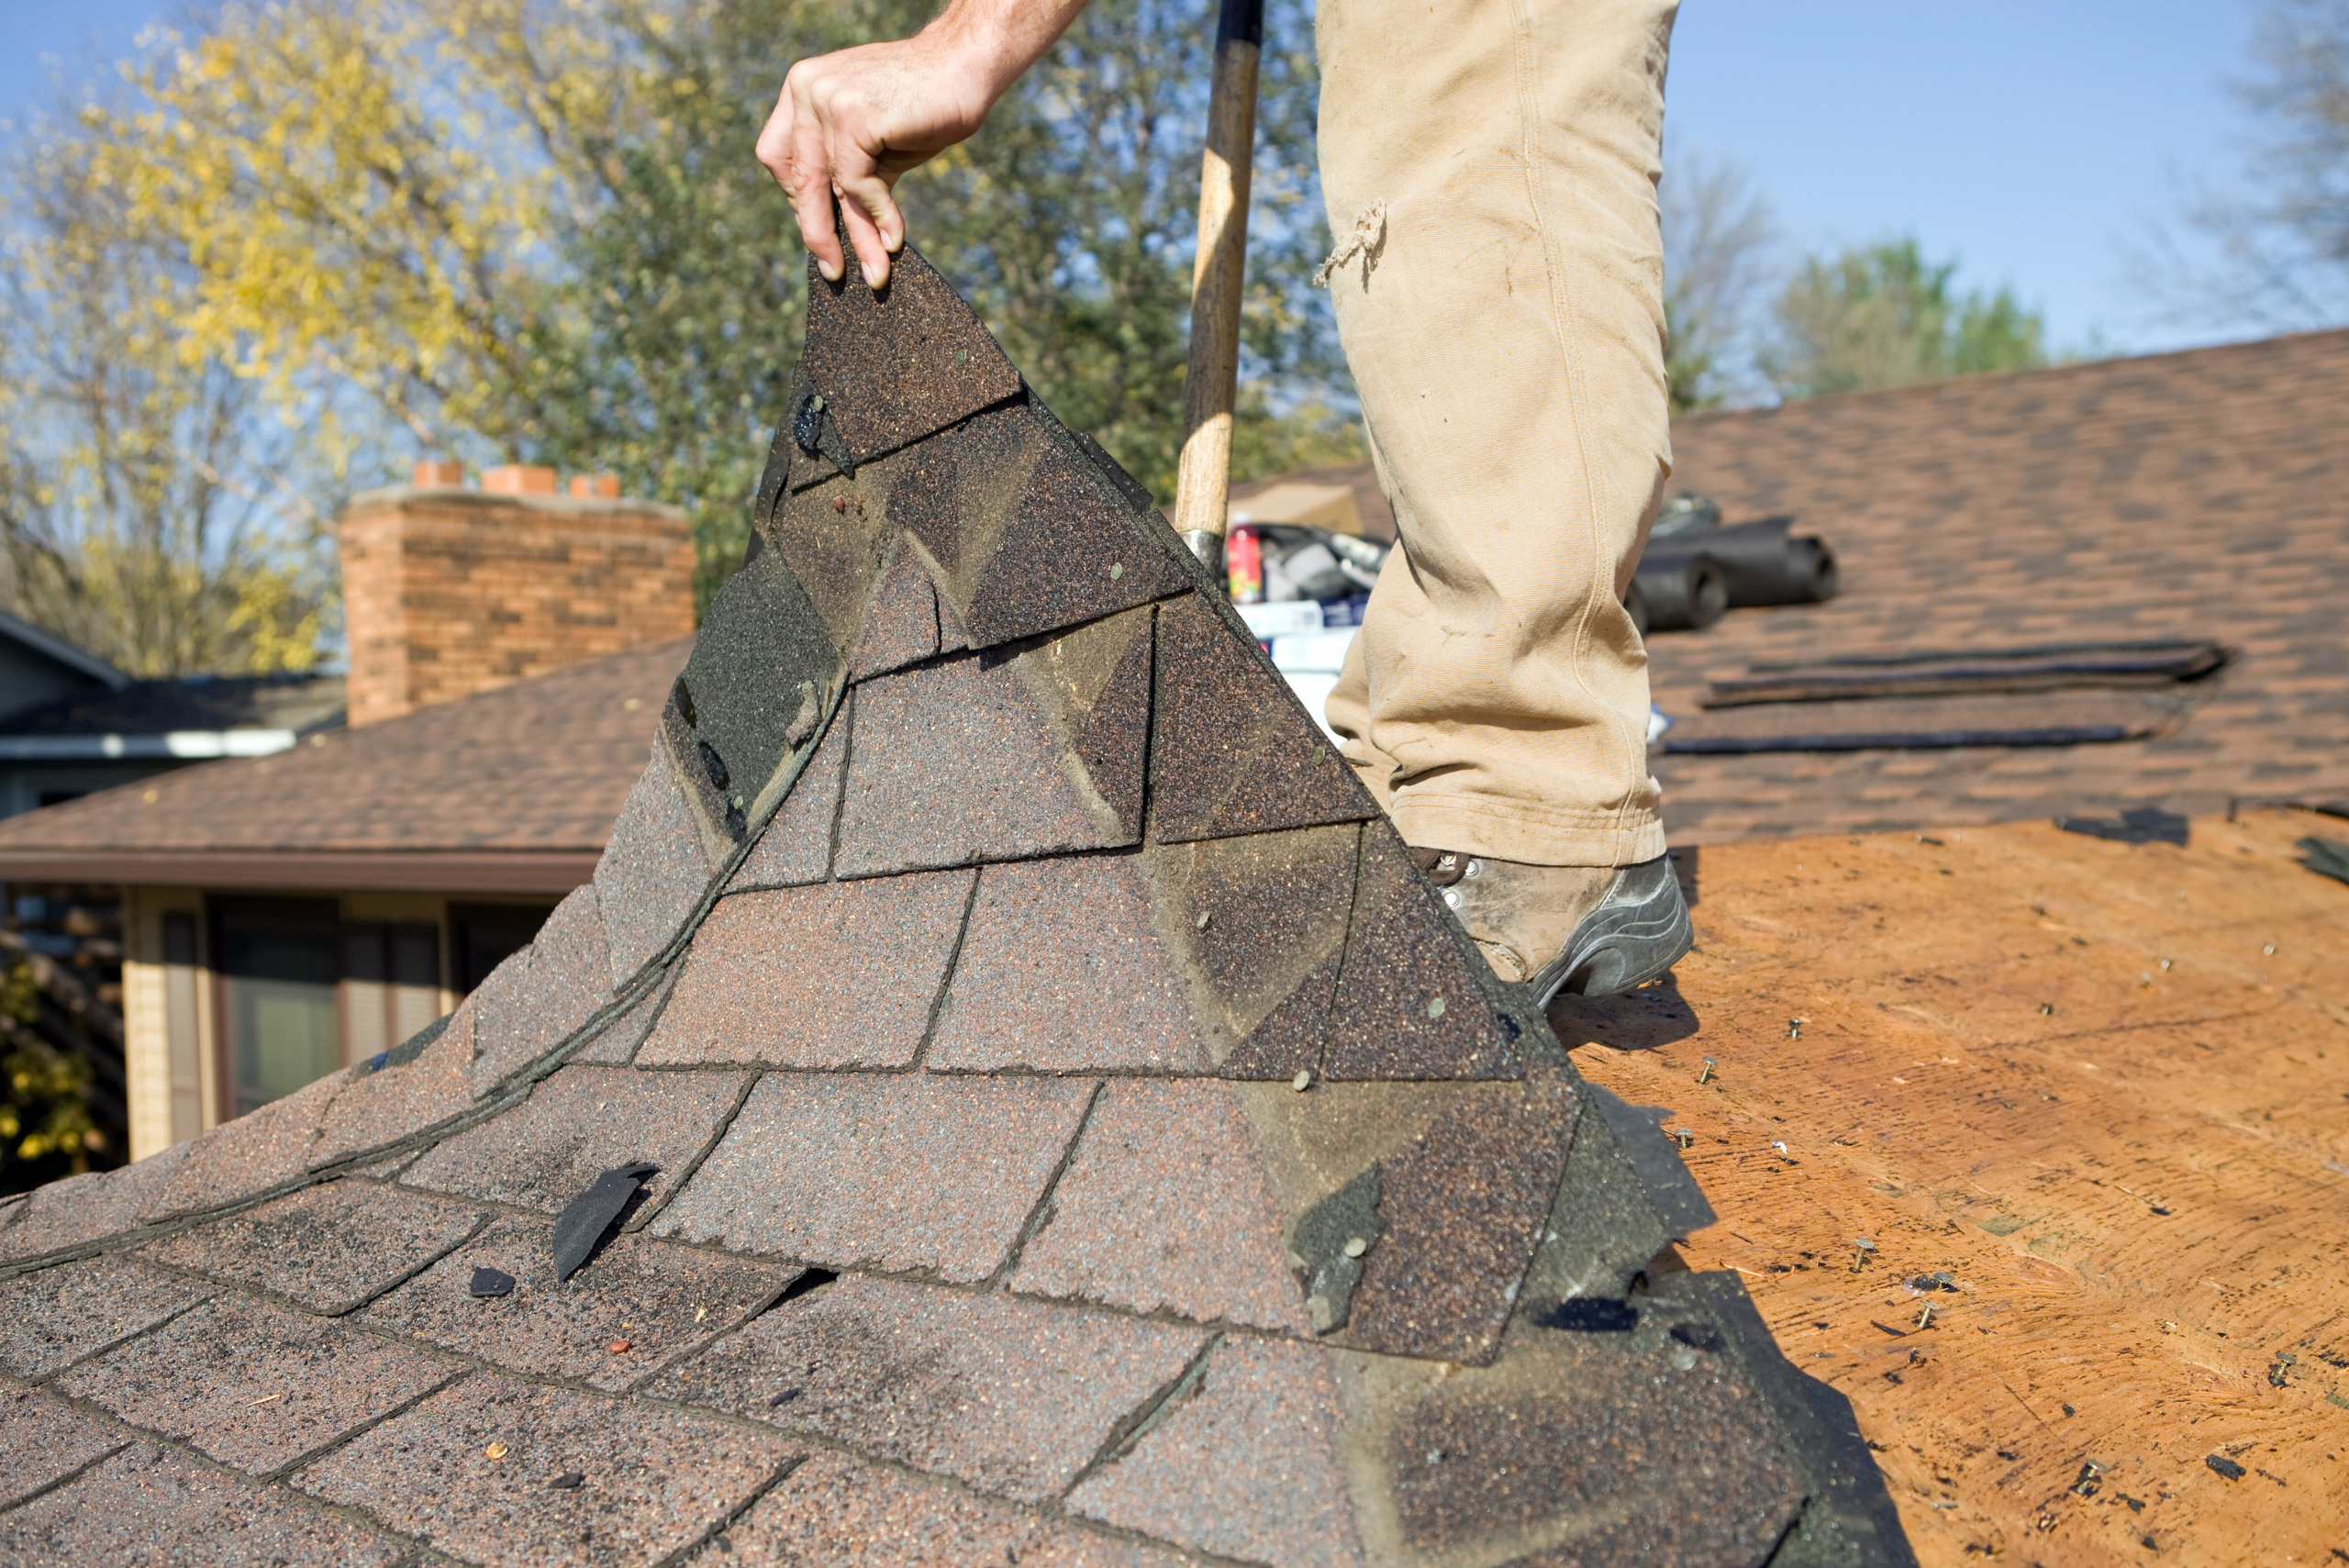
2141, 1196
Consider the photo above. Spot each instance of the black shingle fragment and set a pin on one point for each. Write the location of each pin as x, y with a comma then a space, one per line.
569, 1480
585, 1219
2224, 1466
2138, 825
488, 1282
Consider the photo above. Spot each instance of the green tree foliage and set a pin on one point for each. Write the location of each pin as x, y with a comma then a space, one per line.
1068, 222
1883, 316
536, 232
46, 1084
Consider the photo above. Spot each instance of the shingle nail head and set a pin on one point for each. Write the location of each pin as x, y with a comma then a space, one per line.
1356, 1246
1435, 1006
1303, 1081
496, 1451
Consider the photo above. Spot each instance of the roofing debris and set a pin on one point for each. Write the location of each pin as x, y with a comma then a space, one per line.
2074, 694
1030, 1107
1694, 569
2138, 825
2326, 857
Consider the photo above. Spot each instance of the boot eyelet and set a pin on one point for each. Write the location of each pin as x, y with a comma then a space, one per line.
1451, 899
1474, 867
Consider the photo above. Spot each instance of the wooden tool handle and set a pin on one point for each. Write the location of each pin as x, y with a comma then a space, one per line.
1210, 384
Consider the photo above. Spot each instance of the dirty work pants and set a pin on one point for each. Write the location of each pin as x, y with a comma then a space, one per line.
1489, 167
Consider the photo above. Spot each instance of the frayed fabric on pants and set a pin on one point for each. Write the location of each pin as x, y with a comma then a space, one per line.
1490, 169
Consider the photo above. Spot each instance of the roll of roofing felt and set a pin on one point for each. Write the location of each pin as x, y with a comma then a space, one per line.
1676, 593
1764, 566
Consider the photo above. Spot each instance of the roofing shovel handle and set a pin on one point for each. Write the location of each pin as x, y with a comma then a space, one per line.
1210, 383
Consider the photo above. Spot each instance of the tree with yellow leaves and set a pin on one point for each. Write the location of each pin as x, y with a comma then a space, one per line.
142, 513
531, 230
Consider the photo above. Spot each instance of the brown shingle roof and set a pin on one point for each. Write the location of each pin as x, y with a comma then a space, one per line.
2197, 495
511, 790
2200, 494
1079, 1184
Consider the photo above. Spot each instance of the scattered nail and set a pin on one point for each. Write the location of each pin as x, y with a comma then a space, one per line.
701, 1313
2165, 966
1862, 1246
1925, 1317
2269, 950
2046, 1008
618, 1347
496, 1451
1356, 1246
1794, 1028
1781, 1148
487, 1282
569, 1480
1705, 1074
1683, 1137
1303, 1081
267, 1400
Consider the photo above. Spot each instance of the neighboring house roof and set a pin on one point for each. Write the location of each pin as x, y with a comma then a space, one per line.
57, 651
190, 717
1016, 1101
1377, 515
511, 790
2202, 496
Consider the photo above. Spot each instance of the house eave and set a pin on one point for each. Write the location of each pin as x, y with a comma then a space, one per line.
513, 872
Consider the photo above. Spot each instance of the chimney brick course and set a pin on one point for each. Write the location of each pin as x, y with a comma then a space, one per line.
448, 592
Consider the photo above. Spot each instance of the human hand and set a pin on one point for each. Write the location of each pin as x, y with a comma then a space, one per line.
852, 122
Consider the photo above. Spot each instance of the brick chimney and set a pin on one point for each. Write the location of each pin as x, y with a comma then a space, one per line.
448, 591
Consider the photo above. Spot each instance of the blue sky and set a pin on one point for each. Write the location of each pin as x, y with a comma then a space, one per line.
2029, 139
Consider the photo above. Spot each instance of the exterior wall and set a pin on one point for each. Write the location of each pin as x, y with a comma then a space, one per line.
174, 1055
168, 1038
448, 591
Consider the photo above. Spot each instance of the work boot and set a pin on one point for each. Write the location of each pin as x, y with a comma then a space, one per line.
1590, 930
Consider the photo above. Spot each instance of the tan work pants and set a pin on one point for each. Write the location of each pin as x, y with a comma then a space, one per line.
1492, 165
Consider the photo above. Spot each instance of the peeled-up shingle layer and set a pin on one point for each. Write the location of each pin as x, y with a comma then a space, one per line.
1081, 1135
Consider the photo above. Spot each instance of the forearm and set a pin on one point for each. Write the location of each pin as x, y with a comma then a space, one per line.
995, 40
847, 124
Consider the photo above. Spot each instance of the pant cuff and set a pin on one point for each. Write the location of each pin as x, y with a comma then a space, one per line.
1532, 840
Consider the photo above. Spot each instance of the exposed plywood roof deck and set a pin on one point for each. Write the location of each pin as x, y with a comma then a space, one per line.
2142, 1196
